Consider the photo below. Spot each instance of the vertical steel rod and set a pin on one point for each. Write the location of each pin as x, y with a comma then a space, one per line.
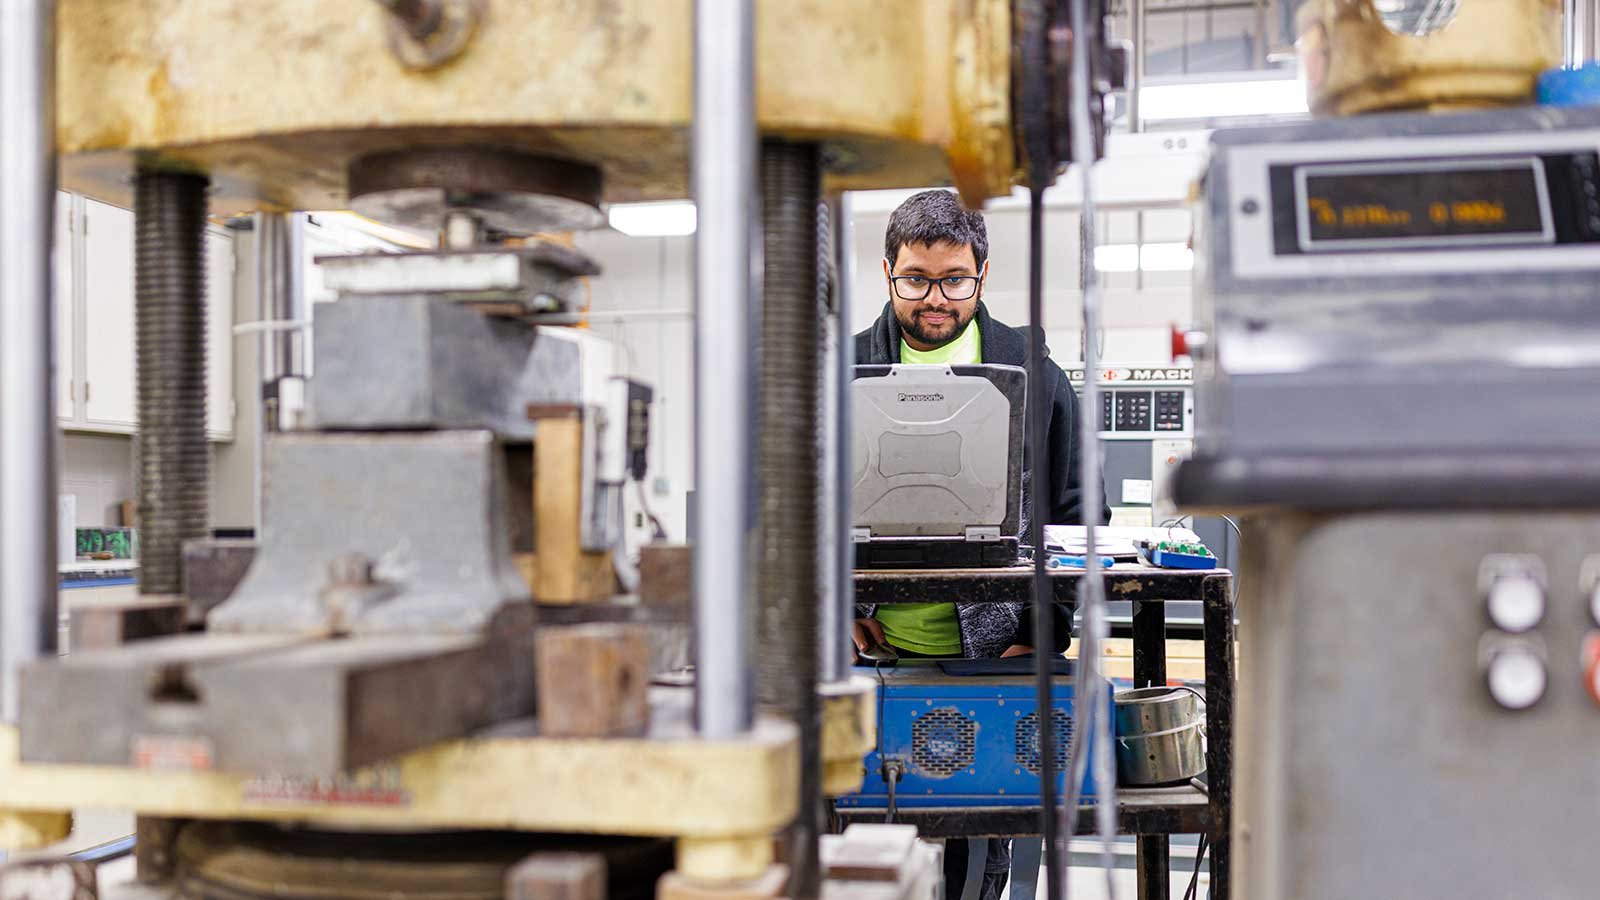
1138, 18
830, 445
28, 577
1571, 32
280, 299
1033, 19
723, 179
1581, 31
1591, 30
1262, 44
279, 296
838, 466
1094, 720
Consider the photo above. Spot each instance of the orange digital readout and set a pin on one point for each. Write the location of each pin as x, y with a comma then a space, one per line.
1367, 203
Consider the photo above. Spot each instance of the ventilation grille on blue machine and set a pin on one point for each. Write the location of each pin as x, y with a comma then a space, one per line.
943, 742
1028, 740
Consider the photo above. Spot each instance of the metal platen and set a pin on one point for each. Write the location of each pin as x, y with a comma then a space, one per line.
503, 190
158, 82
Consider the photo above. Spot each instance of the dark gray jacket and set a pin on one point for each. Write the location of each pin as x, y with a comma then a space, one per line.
987, 630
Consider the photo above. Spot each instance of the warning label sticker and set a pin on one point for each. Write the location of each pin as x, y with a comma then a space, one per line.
379, 785
173, 753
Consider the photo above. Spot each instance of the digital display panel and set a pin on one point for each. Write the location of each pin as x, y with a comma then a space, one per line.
1389, 205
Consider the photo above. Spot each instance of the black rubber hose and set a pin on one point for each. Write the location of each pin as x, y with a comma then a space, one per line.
170, 350
788, 473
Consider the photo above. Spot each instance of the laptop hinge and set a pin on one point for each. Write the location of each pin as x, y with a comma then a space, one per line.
983, 532
860, 535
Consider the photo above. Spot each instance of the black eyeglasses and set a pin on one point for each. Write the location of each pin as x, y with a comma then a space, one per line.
918, 287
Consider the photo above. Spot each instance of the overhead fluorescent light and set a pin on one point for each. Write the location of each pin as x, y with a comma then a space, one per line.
671, 219
1159, 257
1116, 258
1223, 99
1174, 257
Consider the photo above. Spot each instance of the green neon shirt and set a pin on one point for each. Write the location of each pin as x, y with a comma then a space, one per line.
931, 629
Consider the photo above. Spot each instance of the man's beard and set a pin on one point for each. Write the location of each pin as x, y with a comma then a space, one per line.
935, 336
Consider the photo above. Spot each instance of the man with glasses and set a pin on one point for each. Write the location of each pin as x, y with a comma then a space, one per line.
936, 259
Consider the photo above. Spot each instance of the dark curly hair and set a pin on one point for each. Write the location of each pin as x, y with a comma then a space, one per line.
934, 217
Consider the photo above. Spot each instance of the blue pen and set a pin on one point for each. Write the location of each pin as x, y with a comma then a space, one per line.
1076, 562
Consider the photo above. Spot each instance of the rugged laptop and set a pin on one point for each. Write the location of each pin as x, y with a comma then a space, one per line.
938, 465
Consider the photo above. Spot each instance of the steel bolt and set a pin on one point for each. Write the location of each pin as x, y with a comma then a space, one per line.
420, 18
352, 570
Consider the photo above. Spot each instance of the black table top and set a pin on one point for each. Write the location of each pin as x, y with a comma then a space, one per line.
1124, 581
1164, 810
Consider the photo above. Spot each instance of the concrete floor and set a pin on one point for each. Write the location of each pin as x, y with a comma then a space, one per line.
1084, 883
1090, 884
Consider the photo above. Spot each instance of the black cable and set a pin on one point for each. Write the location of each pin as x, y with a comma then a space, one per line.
883, 688
889, 773
1038, 412
658, 532
1193, 893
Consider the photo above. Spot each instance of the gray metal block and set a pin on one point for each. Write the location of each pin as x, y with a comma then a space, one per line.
212, 569
1371, 760
276, 704
88, 707
378, 534
414, 362
527, 280
96, 626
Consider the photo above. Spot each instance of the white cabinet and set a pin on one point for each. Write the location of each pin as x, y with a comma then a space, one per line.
64, 300
109, 388
102, 395
219, 334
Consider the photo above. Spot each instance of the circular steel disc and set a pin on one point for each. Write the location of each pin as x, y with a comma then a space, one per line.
256, 861
508, 191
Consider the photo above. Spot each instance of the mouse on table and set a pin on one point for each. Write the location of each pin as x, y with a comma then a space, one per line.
878, 653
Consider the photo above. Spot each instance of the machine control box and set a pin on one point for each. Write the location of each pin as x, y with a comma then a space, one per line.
1405, 285
949, 738
1143, 402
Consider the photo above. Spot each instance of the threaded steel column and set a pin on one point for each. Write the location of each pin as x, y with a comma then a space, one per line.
787, 467
170, 312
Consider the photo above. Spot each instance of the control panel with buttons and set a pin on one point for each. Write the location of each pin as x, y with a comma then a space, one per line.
1170, 410
1141, 403
1133, 410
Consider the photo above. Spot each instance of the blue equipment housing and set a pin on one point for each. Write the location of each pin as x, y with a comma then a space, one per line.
966, 733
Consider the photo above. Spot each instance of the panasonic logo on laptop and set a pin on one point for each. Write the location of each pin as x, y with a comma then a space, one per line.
921, 398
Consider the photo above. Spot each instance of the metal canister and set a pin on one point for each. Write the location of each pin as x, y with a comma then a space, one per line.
1160, 733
